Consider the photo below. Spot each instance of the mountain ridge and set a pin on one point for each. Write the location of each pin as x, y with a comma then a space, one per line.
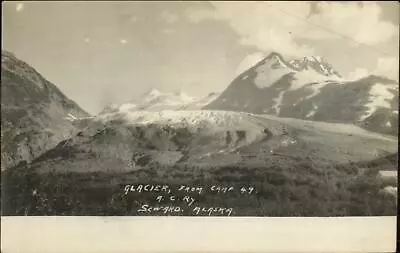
312, 91
33, 112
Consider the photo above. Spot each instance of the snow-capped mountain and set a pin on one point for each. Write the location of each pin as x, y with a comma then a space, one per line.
36, 115
310, 88
155, 100
166, 99
302, 71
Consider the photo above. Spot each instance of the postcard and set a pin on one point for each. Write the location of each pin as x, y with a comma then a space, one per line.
196, 126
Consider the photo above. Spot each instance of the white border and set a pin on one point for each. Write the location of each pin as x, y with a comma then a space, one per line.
76, 234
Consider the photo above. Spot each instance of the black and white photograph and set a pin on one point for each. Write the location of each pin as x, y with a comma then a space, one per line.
199, 109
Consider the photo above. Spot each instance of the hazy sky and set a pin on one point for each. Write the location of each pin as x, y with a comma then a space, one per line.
102, 52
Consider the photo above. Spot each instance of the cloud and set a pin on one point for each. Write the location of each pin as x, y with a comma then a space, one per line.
385, 66
249, 61
123, 41
280, 26
360, 22
358, 73
258, 24
388, 66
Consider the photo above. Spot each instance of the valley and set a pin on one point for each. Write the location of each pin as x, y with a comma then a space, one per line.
301, 148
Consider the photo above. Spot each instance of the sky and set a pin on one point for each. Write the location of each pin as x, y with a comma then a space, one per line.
110, 52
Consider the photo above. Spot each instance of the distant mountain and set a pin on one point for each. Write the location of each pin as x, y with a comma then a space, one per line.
155, 100
310, 88
36, 115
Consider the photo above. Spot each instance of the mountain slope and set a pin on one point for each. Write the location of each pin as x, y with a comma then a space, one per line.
297, 167
311, 89
129, 140
34, 112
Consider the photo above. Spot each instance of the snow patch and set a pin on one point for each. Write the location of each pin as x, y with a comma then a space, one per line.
324, 70
305, 77
72, 116
278, 102
378, 96
266, 76
280, 62
276, 60
312, 112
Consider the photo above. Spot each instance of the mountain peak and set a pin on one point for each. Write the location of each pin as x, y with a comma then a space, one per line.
276, 60
314, 62
313, 58
273, 54
317, 63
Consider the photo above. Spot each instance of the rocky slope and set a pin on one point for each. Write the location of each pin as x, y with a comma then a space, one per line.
36, 115
311, 89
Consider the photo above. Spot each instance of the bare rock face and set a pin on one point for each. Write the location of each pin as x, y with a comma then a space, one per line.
311, 89
36, 115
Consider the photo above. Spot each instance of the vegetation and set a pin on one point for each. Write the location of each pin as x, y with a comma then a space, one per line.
302, 191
